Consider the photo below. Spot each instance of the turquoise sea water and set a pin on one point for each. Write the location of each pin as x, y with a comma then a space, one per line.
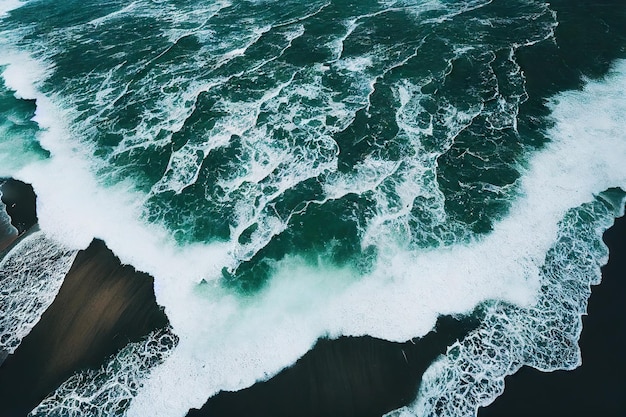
395, 159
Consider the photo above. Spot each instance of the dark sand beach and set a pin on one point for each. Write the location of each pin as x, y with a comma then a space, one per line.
101, 306
597, 387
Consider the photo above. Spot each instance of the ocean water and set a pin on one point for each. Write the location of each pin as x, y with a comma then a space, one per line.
292, 170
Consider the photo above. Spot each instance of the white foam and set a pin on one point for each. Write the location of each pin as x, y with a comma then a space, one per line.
544, 335
20, 76
31, 275
7, 5
403, 296
15, 151
69, 194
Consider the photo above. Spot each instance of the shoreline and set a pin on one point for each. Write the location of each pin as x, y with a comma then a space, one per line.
388, 383
103, 305
596, 387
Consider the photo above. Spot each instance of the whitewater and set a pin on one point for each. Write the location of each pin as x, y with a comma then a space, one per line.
407, 257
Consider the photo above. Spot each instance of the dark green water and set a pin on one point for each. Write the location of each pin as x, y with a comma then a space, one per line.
288, 108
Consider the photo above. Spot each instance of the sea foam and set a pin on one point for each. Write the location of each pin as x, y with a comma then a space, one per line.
7, 5
584, 158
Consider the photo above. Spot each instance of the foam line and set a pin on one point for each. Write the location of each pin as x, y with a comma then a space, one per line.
21, 77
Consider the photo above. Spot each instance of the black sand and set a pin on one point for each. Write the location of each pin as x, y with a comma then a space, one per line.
598, 387
357, 377
21, 203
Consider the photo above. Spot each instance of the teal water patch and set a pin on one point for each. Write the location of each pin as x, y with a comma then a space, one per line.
18, 133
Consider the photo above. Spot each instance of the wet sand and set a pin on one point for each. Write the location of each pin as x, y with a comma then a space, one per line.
598, 387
